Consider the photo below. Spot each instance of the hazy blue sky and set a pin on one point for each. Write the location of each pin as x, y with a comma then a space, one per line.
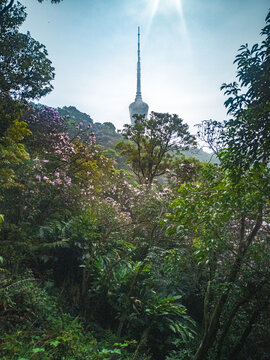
188, 48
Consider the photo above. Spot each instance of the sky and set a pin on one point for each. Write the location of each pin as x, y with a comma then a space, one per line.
187, 52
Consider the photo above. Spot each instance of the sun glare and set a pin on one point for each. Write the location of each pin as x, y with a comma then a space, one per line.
166, 7
169, 8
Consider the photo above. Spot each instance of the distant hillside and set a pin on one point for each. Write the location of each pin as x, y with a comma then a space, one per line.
107, 135
201, 155
72, 113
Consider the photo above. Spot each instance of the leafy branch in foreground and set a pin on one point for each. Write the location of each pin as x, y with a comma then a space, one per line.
246, 135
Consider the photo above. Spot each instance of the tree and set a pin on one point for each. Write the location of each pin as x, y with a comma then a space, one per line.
8, 4
12, 132
184, 170
150, 143
209, 132
228, 226
25, 70
246, 135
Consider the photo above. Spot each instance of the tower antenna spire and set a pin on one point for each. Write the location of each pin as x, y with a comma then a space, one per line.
139, 91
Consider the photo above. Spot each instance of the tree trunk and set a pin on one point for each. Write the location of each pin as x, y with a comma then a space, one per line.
238, 347
211, 332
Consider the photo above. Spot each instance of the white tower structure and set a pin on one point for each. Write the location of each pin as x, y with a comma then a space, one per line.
138, 106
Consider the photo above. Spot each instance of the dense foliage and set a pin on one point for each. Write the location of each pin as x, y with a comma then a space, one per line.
96, 263
150, 142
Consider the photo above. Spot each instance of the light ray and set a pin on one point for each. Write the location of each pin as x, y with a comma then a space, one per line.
154, 9
181, 14
183, 25
168, 7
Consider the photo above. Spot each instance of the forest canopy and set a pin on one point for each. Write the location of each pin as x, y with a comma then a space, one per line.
134, 251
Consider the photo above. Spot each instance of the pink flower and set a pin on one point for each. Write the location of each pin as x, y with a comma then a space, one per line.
38, 177
57, 181
167, 190
68, 180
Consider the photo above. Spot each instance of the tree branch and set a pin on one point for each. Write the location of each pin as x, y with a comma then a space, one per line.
6, 8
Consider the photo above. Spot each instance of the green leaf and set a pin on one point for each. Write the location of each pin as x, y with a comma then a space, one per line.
55, 343
172, 328
37, 350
